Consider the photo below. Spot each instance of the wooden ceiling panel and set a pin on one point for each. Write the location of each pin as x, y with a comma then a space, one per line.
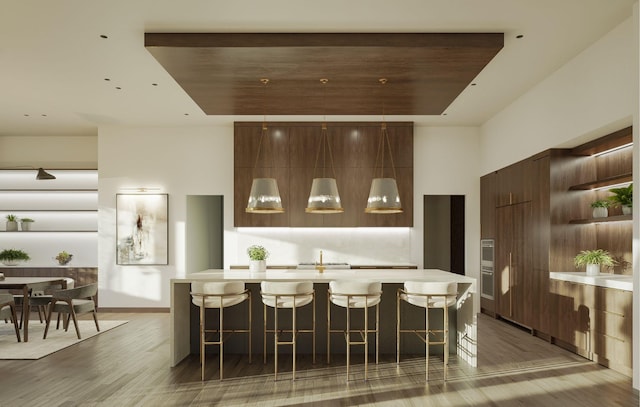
222, 72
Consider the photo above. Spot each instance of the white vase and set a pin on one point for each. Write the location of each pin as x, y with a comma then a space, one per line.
626, 210
593, 269
257, 266
12, 226
600, 212
25, 226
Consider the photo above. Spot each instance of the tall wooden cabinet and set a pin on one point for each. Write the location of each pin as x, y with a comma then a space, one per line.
538, 213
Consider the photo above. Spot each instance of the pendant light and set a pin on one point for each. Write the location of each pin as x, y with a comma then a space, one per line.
265, 196
383, 195
324, 197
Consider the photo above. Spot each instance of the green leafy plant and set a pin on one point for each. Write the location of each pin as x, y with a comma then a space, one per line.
63, 257
13, 255
601, 204
27, 220
256, 252
11, 218
597, 256
622, 196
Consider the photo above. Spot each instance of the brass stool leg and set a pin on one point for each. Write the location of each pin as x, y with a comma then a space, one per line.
366, 337
202, 339
328, 328
348, 339
398, 327
264, 333
446, 340
293, 338
275, 338
377, 332
313, 332
426, 342
249, 333
221, 333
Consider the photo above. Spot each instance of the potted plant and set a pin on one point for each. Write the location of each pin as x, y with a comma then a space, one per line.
593, 259
25, 224
11, 257
64, 258
600, 208
12, 223
257, 256
623, 197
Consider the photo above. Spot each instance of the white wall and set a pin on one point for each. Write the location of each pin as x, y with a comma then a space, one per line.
587, 98
49, 152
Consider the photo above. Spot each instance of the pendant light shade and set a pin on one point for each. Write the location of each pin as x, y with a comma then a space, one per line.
264, 196
324, 197
383, 197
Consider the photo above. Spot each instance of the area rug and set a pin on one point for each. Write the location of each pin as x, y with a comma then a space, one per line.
57, 339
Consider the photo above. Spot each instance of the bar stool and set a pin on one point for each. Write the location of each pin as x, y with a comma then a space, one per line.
355, 295
219, 295
428, 295
291, 295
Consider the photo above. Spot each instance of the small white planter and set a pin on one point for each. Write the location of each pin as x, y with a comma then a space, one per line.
256, 266
25, 226
600, 212
626, 210
593, 269
12, 226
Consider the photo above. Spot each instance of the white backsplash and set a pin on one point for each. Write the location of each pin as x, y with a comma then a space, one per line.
349, 245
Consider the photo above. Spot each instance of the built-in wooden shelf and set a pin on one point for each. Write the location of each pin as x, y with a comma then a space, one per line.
617, 218
618, 179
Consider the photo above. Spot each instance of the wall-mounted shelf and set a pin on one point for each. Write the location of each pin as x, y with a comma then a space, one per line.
618, 179
65, 211
618, 218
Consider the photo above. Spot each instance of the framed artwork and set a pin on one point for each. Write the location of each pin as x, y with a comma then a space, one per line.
142, 232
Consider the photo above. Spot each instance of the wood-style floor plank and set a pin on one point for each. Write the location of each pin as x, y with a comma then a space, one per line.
129, 366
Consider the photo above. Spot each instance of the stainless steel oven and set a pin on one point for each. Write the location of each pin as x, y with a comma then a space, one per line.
486, 268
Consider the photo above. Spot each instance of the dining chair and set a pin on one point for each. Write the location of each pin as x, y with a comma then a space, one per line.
8, 311
73, 301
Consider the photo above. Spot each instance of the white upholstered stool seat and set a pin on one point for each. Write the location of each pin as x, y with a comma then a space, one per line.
428, 295
220, 295
287, 295
355, 294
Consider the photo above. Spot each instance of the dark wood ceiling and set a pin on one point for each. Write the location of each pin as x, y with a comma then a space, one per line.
425, 72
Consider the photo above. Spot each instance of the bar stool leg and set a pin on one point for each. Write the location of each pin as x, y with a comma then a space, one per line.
446, 341
366, 338
293, 339
313, 340
426, 342
398, 328
275, 339
249, 333
348, 337
221, 339
202, 339
377, 332
264, 333
328, 328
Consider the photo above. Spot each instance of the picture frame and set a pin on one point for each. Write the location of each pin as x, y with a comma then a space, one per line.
142, 229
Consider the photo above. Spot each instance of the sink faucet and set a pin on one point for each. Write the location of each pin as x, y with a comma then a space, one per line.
319, 266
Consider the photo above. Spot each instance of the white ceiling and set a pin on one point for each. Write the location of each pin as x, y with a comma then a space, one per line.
53, 62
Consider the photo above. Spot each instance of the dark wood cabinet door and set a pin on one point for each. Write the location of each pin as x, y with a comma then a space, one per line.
503, 262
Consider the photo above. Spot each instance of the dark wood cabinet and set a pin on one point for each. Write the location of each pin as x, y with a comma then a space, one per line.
514, 183
292, 157
513, 265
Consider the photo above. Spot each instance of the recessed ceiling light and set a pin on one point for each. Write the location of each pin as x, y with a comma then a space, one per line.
186, 114
107, 79
154, 84
519, 36
26, 115
118, 87
103, 36
43, 115
473, 84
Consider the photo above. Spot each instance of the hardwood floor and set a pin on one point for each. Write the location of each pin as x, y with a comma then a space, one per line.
129, 366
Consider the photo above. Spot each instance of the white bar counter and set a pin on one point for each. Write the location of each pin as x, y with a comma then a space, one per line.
465, 309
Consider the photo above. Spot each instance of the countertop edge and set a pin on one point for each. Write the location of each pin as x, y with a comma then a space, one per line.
617, 281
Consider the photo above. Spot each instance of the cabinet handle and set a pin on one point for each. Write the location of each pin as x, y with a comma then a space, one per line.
510, 283
510, 198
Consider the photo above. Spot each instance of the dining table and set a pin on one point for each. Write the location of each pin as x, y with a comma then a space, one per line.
24, 284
